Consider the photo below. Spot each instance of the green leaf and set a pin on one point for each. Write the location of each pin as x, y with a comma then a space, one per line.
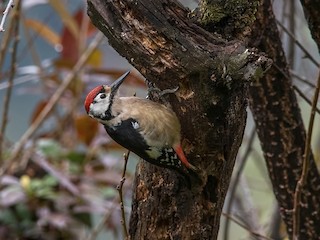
43, 188
50, 148
108, 192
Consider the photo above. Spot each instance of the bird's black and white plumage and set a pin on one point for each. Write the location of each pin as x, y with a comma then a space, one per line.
149, 129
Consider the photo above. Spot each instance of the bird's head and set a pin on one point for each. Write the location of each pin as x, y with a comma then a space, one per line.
99, 101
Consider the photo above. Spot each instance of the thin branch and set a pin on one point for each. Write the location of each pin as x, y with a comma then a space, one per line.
275, 223
305, 167
313, 60
13, 69
119, 188
245, 207
61, 177
17, 81
304, 97
228, 216
296, 88
291, 19
30, 44
5, 43
5, 14
302, 79
54, 99
94, 233
283, 16
233, 186
97, 229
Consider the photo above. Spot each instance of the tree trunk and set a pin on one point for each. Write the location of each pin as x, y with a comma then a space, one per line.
170, 50
275, 109
312, 13
281, 130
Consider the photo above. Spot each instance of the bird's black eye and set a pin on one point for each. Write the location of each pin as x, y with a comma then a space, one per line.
102, 96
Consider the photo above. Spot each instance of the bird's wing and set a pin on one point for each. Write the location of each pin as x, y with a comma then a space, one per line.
127, 135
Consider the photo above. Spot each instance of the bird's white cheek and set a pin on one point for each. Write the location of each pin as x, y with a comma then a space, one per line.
98, 109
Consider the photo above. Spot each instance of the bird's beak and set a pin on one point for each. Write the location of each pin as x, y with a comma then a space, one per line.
114, 86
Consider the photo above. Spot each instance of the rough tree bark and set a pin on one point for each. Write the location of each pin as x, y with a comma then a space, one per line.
312, 12
170, 50
281, 130
276, 112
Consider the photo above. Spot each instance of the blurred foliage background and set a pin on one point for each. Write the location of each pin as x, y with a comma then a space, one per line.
62, 184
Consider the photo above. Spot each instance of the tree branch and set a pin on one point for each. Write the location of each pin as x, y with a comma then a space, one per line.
119, 188
52, 102
171, 50
5, 13
305, 167
13, 69
281, 131
311, 11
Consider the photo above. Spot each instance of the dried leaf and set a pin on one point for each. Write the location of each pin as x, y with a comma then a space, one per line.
44, 31
66, 17
55, 220
86, 128
71, 43
38, 109
95, 59
11, 195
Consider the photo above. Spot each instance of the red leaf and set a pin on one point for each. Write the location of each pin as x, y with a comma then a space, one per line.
70, 51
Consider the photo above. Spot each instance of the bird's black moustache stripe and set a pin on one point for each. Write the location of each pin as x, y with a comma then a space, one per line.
108, 115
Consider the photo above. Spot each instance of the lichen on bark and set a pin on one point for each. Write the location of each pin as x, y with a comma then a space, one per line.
229, 18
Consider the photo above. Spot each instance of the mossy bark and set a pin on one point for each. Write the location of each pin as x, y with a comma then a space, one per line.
276, 112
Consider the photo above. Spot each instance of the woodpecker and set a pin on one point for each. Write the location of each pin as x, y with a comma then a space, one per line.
149, 129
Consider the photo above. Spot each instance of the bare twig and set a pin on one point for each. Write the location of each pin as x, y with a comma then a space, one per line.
305, 167
100, 225
291, 44
119, 188
245, 227
304, 97
55, 98
4, 46
312, 59
30, 41
235, 181
97, 229
275, 222
296, 88
11, 77
302, 79
5, 14
299, 78
30, 44
62, 179
245, 208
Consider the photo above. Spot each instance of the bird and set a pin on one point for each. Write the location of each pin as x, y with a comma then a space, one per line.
150, 130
